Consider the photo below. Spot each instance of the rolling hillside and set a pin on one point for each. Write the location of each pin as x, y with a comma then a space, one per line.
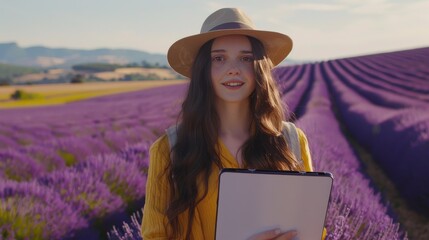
39, 56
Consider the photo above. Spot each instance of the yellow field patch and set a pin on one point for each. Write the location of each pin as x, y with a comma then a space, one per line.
54, 94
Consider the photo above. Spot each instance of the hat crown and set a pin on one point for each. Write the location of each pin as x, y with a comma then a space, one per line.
227, 18
224, 22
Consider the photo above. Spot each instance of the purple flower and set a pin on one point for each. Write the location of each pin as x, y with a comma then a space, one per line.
31, 211
122, 177
129, 231
76, 149
18, 166
45, 156
137, 153
7, 142
89, 196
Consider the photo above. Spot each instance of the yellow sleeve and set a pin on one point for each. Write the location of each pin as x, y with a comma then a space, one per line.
154, 220
305, 151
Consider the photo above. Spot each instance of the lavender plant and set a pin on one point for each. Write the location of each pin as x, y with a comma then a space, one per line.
76, 149
128, 231
45, 156
18, 166
89, 196
31, 211
7, 142
122, 177
137, 153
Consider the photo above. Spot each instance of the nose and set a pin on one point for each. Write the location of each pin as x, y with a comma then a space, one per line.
233, 69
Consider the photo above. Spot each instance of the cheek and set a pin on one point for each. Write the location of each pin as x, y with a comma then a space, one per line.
252, 77
250, 72
249, 69
214, 78
214, 71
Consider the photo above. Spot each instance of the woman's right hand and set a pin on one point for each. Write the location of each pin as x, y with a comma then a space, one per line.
276, 234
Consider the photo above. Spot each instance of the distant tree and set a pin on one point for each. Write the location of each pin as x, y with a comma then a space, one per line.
146, 64
78, 78
22, 95
132, 65
96, 67
17, 94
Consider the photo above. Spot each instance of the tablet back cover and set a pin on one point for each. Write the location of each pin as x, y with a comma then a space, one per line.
250, 202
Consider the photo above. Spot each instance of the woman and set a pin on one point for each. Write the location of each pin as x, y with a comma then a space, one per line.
231, 117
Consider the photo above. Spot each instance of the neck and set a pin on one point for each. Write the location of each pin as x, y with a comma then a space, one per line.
234, 120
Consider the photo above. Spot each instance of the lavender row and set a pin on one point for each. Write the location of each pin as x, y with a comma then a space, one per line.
397, 139
410, 63
288, 77
396, 80
377, 80
294, 97
375, 95
355, 209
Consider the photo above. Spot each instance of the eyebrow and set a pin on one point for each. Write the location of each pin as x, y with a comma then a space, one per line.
222, 51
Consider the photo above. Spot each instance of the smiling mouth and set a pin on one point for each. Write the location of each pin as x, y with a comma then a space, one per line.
233, 84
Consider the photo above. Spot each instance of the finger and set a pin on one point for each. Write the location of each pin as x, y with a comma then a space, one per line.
270, 234
289, 235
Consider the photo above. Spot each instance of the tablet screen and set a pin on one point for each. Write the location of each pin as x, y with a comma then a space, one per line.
252, 201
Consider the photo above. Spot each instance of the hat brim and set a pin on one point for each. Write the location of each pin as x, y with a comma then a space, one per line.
182, 53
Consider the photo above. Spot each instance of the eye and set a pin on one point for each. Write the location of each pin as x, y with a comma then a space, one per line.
247, 59
218, 59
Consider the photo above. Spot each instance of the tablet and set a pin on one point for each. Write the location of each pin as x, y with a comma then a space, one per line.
252, 201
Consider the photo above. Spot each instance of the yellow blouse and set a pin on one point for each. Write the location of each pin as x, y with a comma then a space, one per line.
154, 222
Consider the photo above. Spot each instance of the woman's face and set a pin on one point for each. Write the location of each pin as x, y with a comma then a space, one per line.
232, 73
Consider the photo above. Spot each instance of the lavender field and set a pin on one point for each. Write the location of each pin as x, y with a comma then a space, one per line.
78, 171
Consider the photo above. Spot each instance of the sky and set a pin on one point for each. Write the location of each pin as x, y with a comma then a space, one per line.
320, 30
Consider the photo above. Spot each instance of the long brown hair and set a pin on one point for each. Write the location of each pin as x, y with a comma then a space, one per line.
195, 155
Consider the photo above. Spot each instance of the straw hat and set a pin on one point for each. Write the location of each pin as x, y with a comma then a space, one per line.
226, 21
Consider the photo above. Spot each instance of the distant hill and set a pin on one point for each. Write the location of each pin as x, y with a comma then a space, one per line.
39, 56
